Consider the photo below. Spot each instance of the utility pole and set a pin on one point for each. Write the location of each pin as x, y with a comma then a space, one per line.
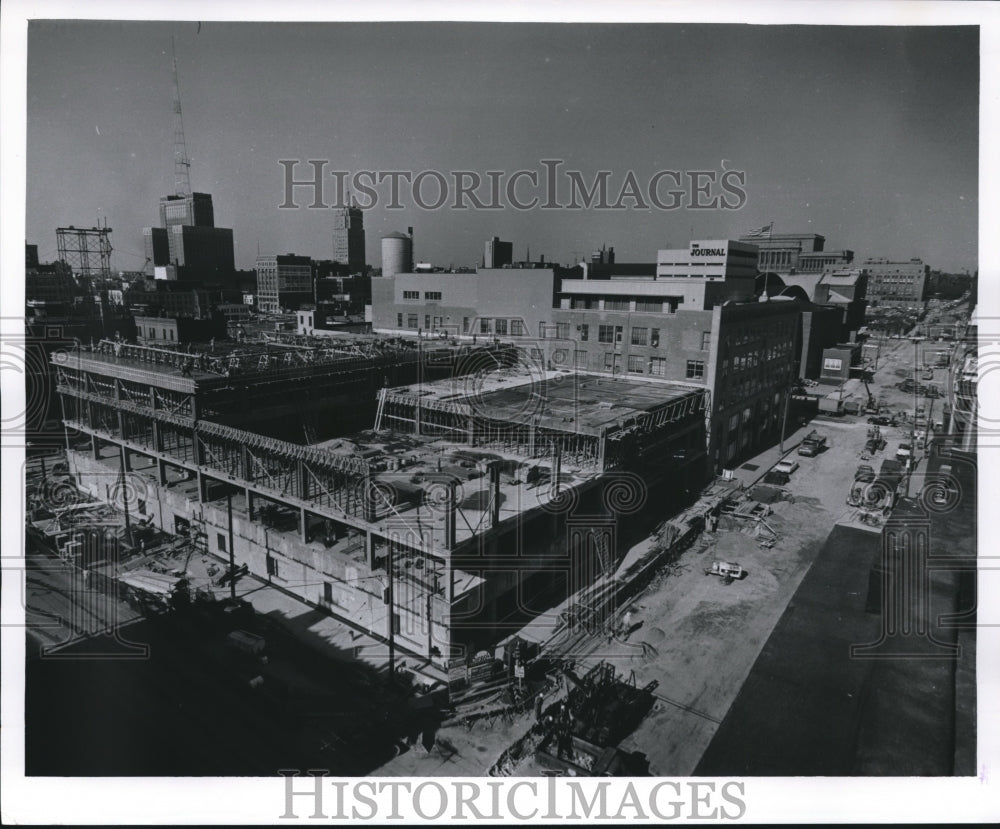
392, 620
784, 421
124, 487
232, 552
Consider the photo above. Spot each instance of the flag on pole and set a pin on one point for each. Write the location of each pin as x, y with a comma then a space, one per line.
761, 231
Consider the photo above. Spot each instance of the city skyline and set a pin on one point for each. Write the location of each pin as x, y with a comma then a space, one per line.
868, 136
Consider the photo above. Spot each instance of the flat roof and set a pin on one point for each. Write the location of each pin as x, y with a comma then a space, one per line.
560, 400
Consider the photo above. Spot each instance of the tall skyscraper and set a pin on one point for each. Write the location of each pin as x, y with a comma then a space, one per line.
349, 238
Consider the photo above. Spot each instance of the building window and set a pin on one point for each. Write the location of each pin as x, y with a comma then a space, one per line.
580, 359
327, 592
517, 328
484, 326
411, 294
433, 296
635, 364
640, 336
695, 369
221, 541
609, 360
427, 321
584, 333
605, 333
399, 320
562, 330
501, 327
649, 306
654, 338
272, 566
658, 366
465, 325
616, 305
706, 340
412, 321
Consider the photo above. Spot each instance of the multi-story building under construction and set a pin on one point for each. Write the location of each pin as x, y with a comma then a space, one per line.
488, 490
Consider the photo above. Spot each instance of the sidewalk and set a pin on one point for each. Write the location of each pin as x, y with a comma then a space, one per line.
752, 470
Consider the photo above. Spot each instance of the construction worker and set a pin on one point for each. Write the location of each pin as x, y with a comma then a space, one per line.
626, 624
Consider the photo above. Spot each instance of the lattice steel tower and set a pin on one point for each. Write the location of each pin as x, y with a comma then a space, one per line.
182, 177
86, 250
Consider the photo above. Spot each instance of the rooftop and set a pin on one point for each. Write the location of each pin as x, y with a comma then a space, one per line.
560, 400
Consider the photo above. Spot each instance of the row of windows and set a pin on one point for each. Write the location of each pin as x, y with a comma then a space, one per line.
656, 305
752, 359
430, 296
500, 327
744, 389
637, 364
168, 333
758, 333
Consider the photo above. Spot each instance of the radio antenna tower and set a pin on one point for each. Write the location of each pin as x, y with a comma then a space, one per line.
182, 178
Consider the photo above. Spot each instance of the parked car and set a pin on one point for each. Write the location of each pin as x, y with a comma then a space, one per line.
864, 474
788, 466
932, 391
907, 386
928, 373
776, 478
882, 420
904, 452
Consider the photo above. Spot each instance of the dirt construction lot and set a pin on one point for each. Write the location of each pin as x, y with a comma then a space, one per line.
705, 635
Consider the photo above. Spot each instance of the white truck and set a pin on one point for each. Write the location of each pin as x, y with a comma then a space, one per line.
728, 571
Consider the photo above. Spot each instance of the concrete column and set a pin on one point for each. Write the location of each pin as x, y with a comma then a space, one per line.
126, 461
157, 438
494, 493
450, 521
249, 496
303, 525
303, 480
161, 471
94, 448
201, 487
370, 549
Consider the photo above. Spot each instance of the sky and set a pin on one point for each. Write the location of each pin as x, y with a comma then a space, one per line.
867, 136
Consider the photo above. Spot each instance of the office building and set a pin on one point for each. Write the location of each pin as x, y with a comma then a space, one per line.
796, 253
349, 238
496, 254
492, 302
896, 283
697, 321
188, 241
284, 282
